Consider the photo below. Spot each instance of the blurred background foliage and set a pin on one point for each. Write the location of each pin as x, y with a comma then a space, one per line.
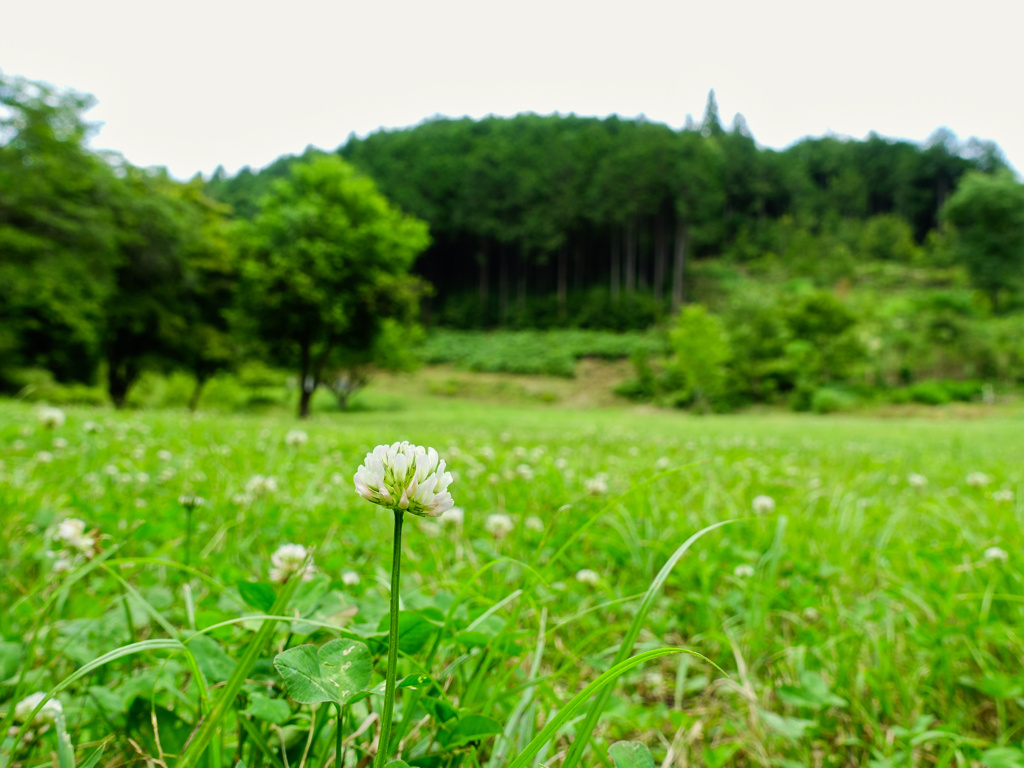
829, 273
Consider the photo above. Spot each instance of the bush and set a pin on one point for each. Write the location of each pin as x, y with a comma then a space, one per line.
829, 400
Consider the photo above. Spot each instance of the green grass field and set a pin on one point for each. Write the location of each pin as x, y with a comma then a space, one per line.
873, 617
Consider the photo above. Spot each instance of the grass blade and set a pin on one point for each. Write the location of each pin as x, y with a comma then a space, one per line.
577, 701
599, 703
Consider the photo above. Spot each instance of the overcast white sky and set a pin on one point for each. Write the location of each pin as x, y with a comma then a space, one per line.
192, 84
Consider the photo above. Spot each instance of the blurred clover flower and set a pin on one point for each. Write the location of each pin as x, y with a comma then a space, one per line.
1003, 495
499, 525
350, 578
996, 553
51, 710
51, 418
71, 533
587, 576
260, 485
454, 516
296, 437
763, 505
743, 571
191, 502
916, 480
288, 559
978, 479
405, 477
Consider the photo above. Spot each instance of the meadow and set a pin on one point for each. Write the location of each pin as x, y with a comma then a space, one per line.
865, 607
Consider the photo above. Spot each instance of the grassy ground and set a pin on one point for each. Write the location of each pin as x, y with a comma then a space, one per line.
873, 617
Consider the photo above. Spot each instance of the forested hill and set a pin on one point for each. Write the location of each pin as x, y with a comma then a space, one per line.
548, 209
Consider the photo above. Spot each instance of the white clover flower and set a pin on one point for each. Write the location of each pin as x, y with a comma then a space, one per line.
91, 427
350, 578
287, 560
587, 576
487, 453
561, 463
50, 711
743, 571
163, 455
454, 516
111, 470
296, 437
191, 502
996, 553
763, 505
60, 443
916, 480
406, 477
663, 462
51, 418
978, 479
242, 499
534, 523
141, 504
499, 525
525, 471
72, 533
597, 485
44, 457
1004, 495
141, 478
259, 486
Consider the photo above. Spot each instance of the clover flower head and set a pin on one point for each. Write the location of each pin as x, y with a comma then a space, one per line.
288, 559
1003, 495
587, 576
978, 479
191, 502
91, 427
44, 457
51, 418
50, 711
402, 476
296, 437
996, 553
535, 524
260, 485
499, 525
350, 578
763, 505
597, 485
454, 516
916, 480
71, 532
743, 571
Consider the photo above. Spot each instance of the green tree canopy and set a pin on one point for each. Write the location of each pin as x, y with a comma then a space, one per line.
325, 260
988, 213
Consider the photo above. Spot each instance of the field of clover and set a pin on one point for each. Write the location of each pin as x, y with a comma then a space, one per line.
585, 588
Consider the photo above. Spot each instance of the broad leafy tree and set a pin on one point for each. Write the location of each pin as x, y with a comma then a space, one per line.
325, 260
988, 214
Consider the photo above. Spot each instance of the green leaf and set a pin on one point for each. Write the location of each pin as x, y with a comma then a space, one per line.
215, 664
439, 709
630, 754
791, 728
812, 693
414, 631
94, 758
474, 728
267, 709
10, 659
257, 595
396, 764
336, 672
1002, 757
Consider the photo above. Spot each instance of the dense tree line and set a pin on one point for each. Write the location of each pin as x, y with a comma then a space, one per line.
544, 210
112, 270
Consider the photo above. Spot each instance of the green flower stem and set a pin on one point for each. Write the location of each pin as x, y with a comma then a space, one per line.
392, 675
188, 536
337, 738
